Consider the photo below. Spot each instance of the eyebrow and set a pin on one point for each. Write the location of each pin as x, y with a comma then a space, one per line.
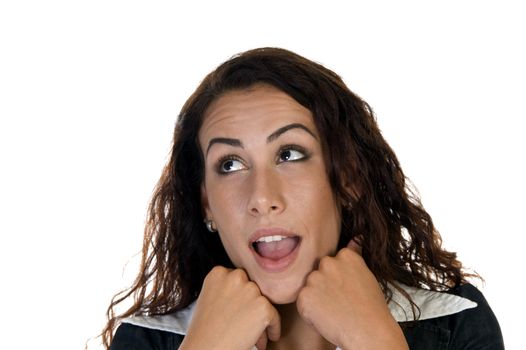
272, 137
286, 128
224, 140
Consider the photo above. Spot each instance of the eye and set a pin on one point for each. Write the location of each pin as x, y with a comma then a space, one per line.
291, 154
230, 165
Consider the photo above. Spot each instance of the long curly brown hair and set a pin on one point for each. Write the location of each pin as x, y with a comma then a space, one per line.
399, 240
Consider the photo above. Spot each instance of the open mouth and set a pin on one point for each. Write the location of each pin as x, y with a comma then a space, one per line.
275, 247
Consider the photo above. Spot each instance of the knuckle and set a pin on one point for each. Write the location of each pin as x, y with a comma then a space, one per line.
349, 255
219, 270
300, 299
346, 253
302, 302
357, 258
313, 278
238, 276
261, 302
215, 273
325, 263
264, 309
267, 308
252, 288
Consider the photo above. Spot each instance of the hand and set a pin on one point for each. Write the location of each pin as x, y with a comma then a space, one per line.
343, 301
232, 314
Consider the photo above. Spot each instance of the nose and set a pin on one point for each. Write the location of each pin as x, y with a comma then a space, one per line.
266, 196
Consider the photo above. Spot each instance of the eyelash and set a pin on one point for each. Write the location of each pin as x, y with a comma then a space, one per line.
296, 148
223, 160
285, 148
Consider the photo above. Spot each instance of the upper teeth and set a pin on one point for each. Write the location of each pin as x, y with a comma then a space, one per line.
268, 239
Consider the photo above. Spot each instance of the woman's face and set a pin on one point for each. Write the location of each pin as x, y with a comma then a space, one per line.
266, 188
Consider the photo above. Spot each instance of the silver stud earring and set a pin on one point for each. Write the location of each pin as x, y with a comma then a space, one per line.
210, 226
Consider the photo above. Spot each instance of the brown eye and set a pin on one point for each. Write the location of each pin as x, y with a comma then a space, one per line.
230, 165
290, 155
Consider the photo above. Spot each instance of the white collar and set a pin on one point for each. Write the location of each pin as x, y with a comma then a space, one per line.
431, 305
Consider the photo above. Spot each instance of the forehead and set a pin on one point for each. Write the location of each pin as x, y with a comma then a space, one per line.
260, 106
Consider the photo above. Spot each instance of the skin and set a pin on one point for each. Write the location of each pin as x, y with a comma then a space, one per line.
324, 298
267, 192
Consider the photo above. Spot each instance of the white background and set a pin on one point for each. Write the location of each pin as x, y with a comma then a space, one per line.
89, 93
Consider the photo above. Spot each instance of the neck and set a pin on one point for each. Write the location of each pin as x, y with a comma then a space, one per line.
296, 333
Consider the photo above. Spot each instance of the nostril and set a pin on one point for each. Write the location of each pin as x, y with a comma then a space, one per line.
264, 209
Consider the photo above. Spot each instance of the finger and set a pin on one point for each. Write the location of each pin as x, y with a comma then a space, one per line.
262, 342
356, 245
274, 328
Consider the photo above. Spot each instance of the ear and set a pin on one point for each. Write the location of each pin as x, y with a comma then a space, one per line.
207, 213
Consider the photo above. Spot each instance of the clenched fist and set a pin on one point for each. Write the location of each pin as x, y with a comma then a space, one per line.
232, 314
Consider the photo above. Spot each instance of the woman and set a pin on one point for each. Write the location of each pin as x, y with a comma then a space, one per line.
283, 221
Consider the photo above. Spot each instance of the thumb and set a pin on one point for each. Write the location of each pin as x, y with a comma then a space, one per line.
261, 344
274, 328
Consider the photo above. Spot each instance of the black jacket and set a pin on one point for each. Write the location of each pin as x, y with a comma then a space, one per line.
472, 329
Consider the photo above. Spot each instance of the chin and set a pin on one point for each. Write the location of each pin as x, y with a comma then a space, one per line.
279, 293
281, 299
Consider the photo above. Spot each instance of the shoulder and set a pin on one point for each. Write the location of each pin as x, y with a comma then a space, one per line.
153, 332
133, 337
473, 328
478, 325
470, 292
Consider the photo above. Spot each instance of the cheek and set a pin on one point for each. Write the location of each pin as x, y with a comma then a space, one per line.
323, 215
314, 198
227, 195
328, 233
232, 248
226, 207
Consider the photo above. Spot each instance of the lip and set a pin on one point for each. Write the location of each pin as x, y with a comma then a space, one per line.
270, 265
